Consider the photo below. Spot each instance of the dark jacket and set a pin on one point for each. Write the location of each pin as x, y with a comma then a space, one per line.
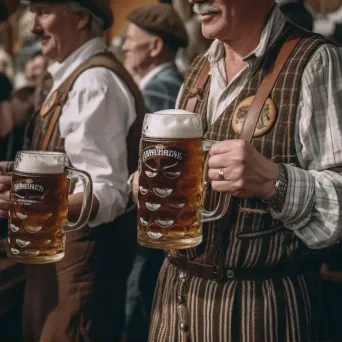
162, 90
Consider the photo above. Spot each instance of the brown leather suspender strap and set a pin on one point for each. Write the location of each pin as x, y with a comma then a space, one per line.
102, 60
266, 87
53, 121
62, 95
262, 94
196, 91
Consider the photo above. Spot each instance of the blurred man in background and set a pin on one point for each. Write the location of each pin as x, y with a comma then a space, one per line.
154, 35
90, 115
35, 66
7, 7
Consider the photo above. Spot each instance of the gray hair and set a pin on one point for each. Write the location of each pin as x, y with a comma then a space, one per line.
95, 25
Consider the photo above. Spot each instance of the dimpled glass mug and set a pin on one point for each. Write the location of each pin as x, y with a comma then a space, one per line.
39, 205
170, 198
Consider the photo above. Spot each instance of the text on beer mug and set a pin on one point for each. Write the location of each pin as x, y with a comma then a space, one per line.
39, 206
170, 198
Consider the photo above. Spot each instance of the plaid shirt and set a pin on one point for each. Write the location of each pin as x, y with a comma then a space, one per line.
312, 207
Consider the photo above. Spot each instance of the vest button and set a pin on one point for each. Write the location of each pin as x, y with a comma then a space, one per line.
180, 299
230, 274
183, 327
183, 275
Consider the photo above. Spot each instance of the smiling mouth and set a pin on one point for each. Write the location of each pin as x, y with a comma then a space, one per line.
208, 13
207, 16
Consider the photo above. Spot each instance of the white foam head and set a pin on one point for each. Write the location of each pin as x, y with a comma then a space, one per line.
40, 162
172, 123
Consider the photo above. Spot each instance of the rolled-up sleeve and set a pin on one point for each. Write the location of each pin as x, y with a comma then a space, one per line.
95, 123
313, 205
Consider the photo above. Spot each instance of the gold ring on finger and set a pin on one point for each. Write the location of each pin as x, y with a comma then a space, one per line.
221, 174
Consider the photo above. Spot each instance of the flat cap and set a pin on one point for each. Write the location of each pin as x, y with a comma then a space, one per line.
161, 20
100, 8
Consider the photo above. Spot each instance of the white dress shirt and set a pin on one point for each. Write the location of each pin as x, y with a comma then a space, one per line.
95, 122
312, 207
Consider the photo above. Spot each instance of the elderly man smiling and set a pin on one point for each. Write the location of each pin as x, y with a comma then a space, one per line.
81, 298
255, 278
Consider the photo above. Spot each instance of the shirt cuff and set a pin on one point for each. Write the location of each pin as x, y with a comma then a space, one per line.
299, 201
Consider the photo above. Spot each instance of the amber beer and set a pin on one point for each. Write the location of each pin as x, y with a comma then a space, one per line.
170, 210
39, 206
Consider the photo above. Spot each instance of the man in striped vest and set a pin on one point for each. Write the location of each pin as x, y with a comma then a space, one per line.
255, 278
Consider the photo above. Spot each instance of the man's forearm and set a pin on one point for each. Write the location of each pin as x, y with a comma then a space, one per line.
312, 206
75, 206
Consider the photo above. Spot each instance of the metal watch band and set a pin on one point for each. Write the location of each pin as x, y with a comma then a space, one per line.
281, 188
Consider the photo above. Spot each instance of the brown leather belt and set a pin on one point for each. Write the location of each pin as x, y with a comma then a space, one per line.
212, 272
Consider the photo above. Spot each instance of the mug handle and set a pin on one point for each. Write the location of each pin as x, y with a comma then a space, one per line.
84, 177
224, 197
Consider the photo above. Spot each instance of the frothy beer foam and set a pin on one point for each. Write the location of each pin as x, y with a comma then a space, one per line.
172, 123
40, 162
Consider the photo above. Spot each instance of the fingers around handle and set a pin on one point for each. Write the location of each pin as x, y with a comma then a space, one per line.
224, 198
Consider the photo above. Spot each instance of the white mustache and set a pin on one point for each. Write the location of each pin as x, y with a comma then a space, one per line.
205, 8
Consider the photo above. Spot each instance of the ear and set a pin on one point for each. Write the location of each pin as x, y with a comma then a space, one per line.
84, 19
157, 46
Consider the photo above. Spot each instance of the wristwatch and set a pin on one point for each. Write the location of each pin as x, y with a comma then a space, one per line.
281, 189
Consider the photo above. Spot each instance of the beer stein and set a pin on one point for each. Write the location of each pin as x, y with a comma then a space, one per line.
39, 205
172, 158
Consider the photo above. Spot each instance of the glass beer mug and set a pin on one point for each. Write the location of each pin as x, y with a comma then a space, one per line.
39, 206
170, 207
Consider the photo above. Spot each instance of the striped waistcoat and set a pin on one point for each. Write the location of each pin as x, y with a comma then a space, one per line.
287, 309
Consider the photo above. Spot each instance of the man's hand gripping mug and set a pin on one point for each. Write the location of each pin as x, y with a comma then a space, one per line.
39, 206
170, 199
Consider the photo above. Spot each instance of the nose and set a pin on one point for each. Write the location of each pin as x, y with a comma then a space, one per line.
36, 27
124, 46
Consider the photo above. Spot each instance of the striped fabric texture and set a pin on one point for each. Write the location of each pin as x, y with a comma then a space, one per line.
188, 308
312, 207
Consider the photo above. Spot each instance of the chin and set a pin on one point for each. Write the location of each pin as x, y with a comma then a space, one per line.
209, 32
217, 30
48, 51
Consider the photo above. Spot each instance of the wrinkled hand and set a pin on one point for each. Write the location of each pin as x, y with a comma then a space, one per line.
5, 187
247, 173
135, 185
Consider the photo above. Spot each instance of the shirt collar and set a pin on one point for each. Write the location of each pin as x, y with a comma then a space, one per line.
148, 77
270, 33
60, 71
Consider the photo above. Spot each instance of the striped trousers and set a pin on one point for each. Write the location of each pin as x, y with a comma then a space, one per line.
188, 308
